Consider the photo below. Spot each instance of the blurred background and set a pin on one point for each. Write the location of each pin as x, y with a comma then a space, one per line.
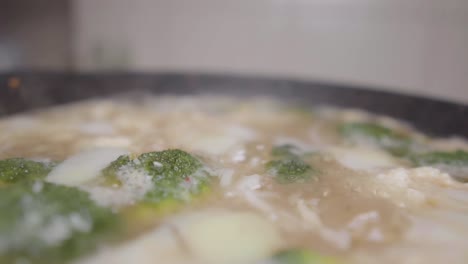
410, 46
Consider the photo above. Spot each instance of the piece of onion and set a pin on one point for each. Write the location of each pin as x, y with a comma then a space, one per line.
84, 166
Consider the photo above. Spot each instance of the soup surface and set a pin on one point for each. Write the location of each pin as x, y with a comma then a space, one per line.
210, 179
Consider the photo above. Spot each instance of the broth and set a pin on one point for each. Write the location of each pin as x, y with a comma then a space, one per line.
363, 202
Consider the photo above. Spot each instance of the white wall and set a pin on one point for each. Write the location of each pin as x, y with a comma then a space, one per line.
416, 46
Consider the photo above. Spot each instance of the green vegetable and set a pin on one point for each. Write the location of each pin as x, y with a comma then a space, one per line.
395, 143
290, 170
112, 170
285, 150
176, 174
302, 256
175, 164
455, 162
46, 223
455, 158
19, 169
289, 167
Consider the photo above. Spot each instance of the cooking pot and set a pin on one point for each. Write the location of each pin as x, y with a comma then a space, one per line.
22, 91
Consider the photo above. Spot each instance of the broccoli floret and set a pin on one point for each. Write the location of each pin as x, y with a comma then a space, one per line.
173, 163
302, 256
19, 169
116, 165
290, 170
395, 143
111, 171
46, 223
288, 166
176, 174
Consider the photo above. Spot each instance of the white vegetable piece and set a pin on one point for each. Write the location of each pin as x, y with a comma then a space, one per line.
250, 183
84, 166
206, 237
214, 144
218, 143
360, 158
157, 246
221, 236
